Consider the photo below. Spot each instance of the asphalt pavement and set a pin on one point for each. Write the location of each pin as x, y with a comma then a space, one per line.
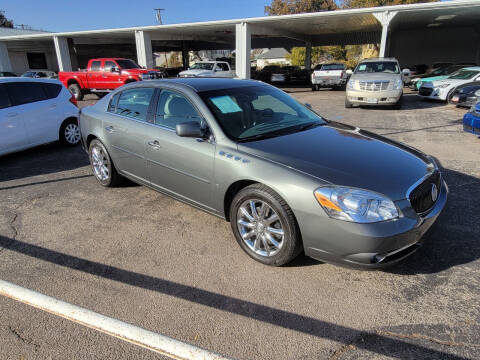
138, 256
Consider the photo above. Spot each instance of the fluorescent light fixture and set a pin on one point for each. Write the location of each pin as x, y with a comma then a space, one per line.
445, 17
434, 24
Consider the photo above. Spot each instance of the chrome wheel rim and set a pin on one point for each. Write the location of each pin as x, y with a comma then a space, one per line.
100, 163
260, 227
72, 134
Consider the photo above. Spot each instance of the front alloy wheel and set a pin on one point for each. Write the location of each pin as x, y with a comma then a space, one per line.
260, 227
264, 225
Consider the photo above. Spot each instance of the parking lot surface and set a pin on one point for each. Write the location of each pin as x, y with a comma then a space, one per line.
136, 255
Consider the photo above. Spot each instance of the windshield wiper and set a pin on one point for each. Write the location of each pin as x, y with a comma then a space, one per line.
280, 132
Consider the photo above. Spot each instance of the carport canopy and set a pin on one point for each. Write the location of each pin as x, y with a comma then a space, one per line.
442, 31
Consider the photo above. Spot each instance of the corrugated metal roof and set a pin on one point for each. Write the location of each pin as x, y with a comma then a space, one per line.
4, 31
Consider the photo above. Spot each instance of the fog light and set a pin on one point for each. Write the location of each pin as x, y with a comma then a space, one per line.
392, 99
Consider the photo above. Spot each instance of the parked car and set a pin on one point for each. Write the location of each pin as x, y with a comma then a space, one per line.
375, 82
168, 72
35, 112
290, 74
104, 75
471, 120
440, 73
466, 95
285, 178
47, 74
265, 74
209, 69
443, 89
329, 75
7, 74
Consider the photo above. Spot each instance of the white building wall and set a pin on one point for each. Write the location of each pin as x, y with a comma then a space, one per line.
19, 61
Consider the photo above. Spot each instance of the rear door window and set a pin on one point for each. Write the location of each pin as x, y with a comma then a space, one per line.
26, 92
134, 103
95, 66
52, 90
4, 98
112, 106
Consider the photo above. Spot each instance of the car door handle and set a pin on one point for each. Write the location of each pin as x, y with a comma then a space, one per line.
12, 115
155, 144
110, 129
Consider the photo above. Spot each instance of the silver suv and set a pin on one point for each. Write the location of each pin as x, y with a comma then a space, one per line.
376, 81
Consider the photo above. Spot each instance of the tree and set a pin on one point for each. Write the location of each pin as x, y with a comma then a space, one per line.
284, 7
4, 22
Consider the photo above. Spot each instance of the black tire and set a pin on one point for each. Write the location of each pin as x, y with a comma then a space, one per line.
69, 133
314, 88
398, 104
291, 243
100, 94
348, 104
76, 91
114, 178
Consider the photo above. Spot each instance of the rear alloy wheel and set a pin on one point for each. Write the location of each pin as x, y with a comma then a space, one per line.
264, 226
102, 165
70, 133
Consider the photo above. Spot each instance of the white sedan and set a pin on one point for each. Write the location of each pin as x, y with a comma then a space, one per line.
35, 112
442, 89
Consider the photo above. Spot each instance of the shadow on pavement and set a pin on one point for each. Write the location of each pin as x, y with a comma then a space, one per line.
41, 160
373, 342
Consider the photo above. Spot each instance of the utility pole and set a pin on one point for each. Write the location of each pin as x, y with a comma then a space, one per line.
158, 15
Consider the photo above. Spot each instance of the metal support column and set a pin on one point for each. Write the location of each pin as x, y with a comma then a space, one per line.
243, 49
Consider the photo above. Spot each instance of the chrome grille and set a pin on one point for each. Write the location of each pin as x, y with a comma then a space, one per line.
379, 85
421, 197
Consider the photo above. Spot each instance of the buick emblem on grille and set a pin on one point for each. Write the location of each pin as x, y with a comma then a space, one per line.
434, 192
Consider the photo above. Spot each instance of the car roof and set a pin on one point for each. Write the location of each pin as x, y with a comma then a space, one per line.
27, 79
379, 59
207, 84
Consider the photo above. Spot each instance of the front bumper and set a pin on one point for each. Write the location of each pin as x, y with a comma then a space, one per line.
386, 97
463, 100
328, 82
432, 93
370, 246
471, 123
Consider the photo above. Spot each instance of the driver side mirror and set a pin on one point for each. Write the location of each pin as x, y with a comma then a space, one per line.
114, 69
191, 129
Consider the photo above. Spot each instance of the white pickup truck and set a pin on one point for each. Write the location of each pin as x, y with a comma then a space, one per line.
209, 69
329, 75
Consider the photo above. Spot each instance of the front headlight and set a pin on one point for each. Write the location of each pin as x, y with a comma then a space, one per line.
355, 205
351, 84
398, 84
442, 86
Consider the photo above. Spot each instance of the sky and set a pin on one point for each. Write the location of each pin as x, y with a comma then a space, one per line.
68, 15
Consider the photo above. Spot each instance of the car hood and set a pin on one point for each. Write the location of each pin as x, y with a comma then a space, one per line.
375, 76
345, 155
195, 72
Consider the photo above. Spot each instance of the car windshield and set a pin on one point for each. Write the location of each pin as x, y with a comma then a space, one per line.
389, 67
333, 67
127, 64
464, 74
256, 112
202, 66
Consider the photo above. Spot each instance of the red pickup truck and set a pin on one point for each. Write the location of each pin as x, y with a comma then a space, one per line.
104, 75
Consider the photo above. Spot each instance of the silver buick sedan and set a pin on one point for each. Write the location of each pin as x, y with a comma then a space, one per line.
288, 180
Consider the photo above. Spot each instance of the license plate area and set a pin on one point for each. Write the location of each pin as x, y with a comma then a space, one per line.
372, 100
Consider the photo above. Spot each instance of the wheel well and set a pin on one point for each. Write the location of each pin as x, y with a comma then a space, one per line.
233, 190
90, 138
72, 81
65, 121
